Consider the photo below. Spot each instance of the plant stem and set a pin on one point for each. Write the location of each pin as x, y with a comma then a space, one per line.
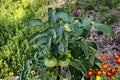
59, 70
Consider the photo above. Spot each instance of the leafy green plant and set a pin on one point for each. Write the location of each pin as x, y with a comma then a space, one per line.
109, 19
65, 33
103, 9
111, 4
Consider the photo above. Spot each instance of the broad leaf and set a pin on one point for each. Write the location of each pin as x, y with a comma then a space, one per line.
42, 40
35, 36
84, 46
77, 75
78, 31
63, 15
51, 14
104, 28
86, 21
59, 33
81, 64
36, 22
92, 55
76, 52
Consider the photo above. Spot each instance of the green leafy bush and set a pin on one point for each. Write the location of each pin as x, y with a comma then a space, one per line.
66, 33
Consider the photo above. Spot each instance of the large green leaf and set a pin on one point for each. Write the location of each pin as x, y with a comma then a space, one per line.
92, 55
86, 21
59, 33
84, 46
104, 28
35, 36
77, 75
36, 22
64, 16
51, 15
76, 52
81, 64
78, 31
42, 40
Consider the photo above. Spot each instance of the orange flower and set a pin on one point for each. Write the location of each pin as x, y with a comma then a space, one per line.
118, 61
104, 57
116, 56
114, 70
109, 73
99, 72
105, 66
90, 73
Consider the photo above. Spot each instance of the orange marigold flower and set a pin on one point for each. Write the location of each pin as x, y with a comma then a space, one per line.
90, 73
116, 56
99, 72
104, 57
114, 70
118, 61
105, 66
11, 74
109, 73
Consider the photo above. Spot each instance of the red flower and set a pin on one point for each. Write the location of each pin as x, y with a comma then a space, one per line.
109, 73
90, 73
118, 61
114, 70
104, 57
99, 72
105, 66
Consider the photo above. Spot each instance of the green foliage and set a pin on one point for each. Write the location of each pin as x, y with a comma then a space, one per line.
23, 50
14, 53
110, 19
103, 9
104, 28
111, 4
14, 46
66, 33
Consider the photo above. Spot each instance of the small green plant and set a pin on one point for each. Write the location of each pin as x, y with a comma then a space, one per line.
110, 19
111, 4
103, 9
90, 4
